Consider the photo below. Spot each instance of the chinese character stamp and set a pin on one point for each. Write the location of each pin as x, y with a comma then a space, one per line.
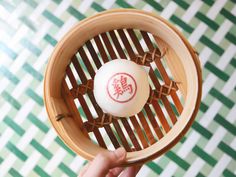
121, 87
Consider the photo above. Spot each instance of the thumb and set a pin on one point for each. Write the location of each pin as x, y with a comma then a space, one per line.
104, 161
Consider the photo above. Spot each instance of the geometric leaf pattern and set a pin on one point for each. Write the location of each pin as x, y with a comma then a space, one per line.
30, 29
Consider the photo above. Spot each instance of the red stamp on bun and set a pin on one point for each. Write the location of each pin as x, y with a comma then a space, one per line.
121, 87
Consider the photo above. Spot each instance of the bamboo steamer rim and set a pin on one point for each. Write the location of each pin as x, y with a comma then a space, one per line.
104, 22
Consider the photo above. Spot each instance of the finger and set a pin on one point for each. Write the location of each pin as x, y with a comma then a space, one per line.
103, 162
84, 169
131, 171
115, 172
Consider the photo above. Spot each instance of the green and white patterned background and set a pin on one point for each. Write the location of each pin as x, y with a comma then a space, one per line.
30, 29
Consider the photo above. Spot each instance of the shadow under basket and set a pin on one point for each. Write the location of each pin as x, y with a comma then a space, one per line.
174, 78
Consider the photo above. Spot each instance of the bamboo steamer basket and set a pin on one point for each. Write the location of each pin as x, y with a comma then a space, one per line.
147, 39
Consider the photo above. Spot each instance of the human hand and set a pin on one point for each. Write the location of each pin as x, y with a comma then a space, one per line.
107, 164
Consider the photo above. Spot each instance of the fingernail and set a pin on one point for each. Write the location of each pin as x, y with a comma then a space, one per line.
120, 153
